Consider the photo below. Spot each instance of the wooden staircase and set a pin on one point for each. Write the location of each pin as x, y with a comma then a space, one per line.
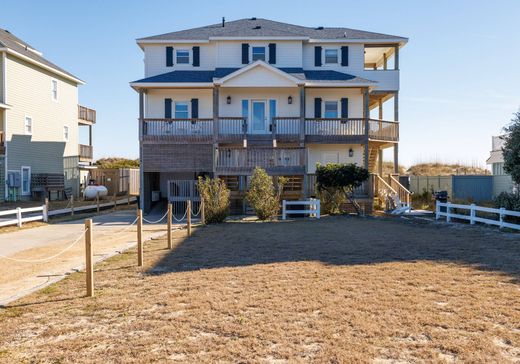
372, 159
396, 198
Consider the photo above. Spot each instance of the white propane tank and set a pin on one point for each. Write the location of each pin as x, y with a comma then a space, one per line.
91, 191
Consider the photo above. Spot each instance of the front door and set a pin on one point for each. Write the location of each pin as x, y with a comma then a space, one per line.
258, 117
26, 181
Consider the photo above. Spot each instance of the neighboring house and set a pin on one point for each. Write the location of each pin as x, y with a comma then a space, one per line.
224, 98
502, 182
39, 124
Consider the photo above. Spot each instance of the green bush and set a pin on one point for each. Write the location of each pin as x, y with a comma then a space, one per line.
215, 194
336, 183
509, 201
263, 197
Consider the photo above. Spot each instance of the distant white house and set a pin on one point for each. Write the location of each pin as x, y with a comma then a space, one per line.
502, 182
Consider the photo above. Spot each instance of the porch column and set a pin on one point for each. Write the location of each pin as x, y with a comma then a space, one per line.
366, 115
216, 92
396, 145
141, 166
302, 114
380, 102
380, 161
90, 135
396, 57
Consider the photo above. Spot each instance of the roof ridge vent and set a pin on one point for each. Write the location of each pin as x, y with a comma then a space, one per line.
258, 27
319, 28
253, 18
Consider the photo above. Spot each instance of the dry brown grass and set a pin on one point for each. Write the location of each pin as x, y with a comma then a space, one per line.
444, 169
336, 290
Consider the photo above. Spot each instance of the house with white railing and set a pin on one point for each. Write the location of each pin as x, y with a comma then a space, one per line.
41, 153
222, 99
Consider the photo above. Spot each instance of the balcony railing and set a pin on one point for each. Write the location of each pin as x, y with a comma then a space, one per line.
284, 128
85, 152
2, 143
86, 114
272, 159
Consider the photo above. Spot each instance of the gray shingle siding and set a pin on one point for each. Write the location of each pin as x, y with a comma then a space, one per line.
268, 28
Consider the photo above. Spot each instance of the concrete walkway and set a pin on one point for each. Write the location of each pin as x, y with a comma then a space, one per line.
112, 233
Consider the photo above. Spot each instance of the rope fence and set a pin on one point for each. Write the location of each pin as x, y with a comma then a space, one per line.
87, 233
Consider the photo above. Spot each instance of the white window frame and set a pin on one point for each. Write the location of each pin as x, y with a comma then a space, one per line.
181, 102
189, 57
54, 82
325, 108
25, 125
337, 55
259, 46
25, 193
66, 133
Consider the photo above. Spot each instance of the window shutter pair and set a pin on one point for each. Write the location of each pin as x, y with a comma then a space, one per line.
344, 107
318, 51
168, 108
169, 56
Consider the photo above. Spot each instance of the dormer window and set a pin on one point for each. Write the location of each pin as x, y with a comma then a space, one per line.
258, 53
331, 56
183, 56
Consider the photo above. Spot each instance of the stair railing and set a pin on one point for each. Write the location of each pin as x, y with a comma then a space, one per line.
403, 193
384, 190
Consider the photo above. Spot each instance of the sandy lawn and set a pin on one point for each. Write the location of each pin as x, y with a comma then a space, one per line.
334, 290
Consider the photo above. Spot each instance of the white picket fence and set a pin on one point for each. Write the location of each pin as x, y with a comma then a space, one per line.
473, 218
19, 219
313, 210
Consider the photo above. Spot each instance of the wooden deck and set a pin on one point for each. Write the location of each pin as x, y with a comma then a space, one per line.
275, 161
85, 152
86, 116
284, 129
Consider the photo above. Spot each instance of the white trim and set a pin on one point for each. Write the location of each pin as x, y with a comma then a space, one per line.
25, 125
137, 85
44, 66
400, 41
4, 106
250, 66
260, 38
340, 84
170, 41
25, 193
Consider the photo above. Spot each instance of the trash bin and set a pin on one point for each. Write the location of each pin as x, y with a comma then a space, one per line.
441, 196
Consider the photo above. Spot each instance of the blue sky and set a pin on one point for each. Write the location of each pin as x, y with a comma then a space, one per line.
460, 71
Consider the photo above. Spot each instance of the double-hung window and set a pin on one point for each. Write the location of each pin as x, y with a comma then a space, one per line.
183, 56
28, 125
54, 90
66, 133
258, 53
181, 110
331, 56
331, 109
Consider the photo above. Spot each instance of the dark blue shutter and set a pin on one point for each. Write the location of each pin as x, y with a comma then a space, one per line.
196, 56
317, 56
344, 56
245, 53
194, 108
167, 108
317, 107
169, 56
272, 53
344, 108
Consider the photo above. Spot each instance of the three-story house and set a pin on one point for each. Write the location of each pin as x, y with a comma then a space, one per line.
222, 99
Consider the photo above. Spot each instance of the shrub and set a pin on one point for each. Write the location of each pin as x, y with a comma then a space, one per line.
336, 183
262, 195
215, 194
509, 201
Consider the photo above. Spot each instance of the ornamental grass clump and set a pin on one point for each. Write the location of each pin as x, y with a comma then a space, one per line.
263, 197
215, 194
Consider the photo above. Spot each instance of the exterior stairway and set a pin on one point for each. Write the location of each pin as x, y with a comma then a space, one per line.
394, 195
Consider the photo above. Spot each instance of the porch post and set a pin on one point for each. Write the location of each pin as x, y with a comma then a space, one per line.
366, 115
141, 166
396, 145
216, 91
396, 57
380, 109
302, 114
90, 135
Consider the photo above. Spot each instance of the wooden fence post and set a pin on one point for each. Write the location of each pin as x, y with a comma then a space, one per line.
169, 225
46, 214
89, 267
448, 208
202, 212
97, 201
188, 217
71, 205
139, 238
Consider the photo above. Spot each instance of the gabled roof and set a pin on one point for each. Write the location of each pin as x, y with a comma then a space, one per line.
258, 27
296, 74
21, 49
260, 64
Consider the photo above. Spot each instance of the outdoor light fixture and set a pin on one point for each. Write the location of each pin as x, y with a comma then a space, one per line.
289, 100
350, 153
229, 100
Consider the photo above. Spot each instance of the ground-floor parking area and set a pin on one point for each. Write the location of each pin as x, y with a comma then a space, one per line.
332, 290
